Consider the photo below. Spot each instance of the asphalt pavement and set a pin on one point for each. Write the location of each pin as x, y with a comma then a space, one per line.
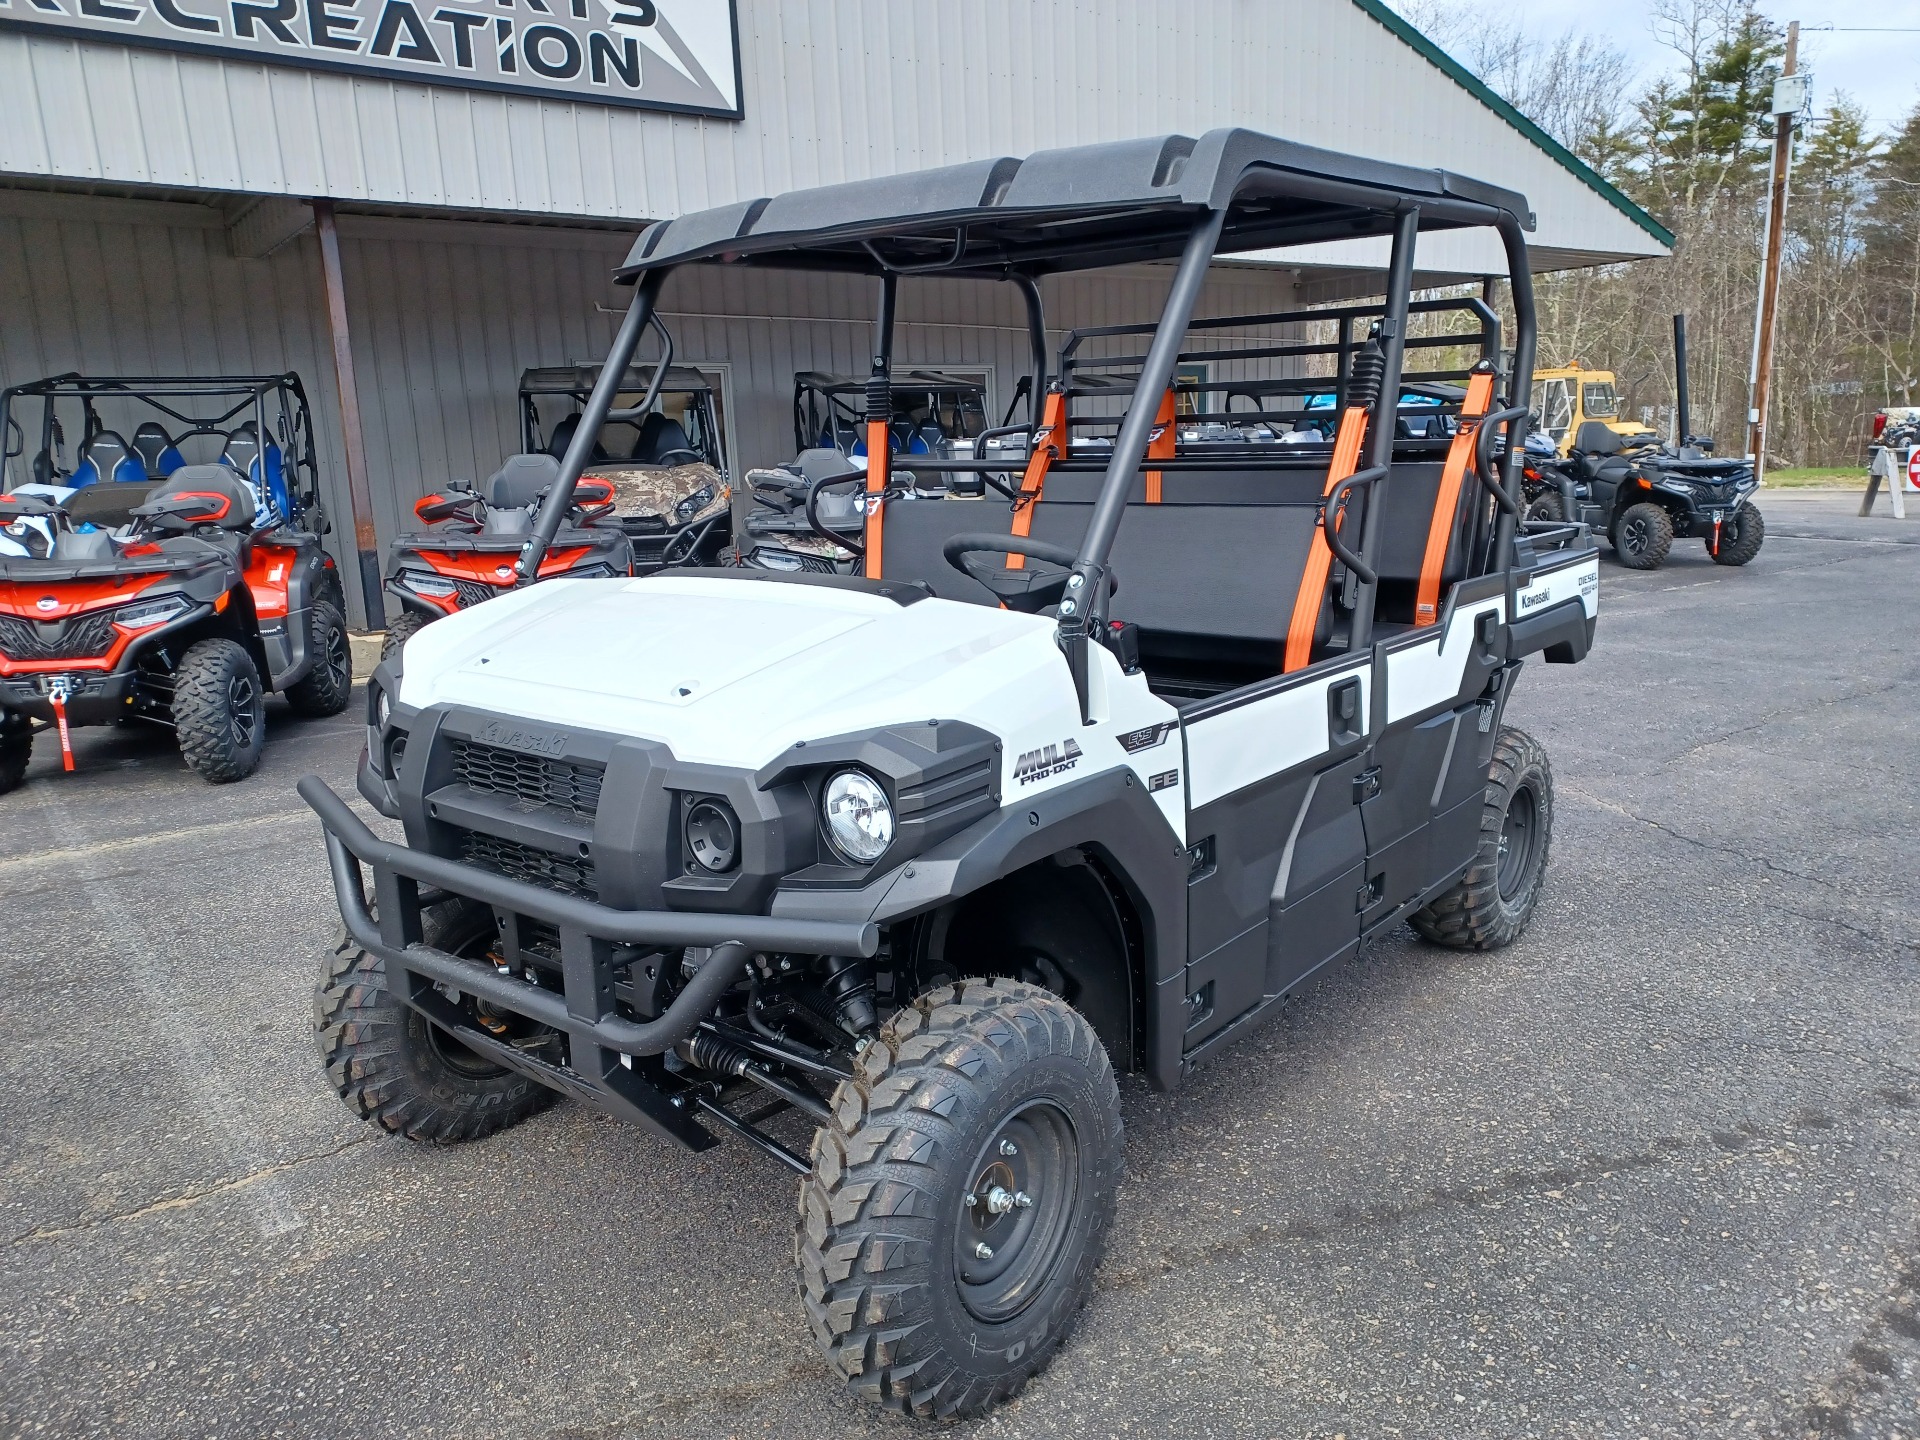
1653, 1171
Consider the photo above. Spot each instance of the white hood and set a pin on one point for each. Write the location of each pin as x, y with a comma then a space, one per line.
732, 672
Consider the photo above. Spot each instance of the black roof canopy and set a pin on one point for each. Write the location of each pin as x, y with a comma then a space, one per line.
908, 381
578, 380
1077, 208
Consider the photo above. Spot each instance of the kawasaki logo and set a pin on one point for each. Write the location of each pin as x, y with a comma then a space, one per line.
1047, 760
1527, 602
536, 742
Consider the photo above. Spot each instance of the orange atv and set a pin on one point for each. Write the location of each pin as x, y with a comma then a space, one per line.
175, 579
182, 618
467, 553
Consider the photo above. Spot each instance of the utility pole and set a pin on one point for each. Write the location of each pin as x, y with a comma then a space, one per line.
1790, 93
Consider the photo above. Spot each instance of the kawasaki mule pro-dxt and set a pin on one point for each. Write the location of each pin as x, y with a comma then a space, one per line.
175, 577
888, 874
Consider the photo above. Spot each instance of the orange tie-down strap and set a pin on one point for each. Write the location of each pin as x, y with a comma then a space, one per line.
1160, 446
1446, 504
1049, 444
1313, 584
878, 442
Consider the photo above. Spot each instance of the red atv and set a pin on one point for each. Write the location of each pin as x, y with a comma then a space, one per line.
467, 553
181, 599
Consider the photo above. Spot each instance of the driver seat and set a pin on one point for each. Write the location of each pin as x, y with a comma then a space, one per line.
520, 482
660, 436
106, 457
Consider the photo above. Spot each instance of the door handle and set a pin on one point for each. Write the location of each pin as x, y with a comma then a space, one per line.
1344, 722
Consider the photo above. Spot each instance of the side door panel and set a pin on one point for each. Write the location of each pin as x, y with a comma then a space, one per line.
1409, 758
1274, 834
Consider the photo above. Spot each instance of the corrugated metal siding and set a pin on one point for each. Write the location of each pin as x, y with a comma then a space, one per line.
443, 324
834, 90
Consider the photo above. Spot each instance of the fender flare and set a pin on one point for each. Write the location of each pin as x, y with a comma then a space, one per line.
1109, 814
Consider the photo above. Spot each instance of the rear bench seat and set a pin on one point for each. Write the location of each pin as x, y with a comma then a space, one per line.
1211, 572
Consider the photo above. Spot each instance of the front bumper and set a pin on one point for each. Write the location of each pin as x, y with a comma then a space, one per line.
1707, 514
94, 697
586, 1009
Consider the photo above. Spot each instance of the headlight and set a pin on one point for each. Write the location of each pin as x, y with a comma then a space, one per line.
379, 705
425, 582
859, 817
591, 572
148, 613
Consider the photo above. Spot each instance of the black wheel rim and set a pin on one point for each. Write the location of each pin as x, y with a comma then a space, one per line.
338, 666
1023, 1191
243, 699
1517, 832
457, 1057
1634, 536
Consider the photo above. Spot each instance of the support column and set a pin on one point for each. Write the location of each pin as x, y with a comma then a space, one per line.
366, 543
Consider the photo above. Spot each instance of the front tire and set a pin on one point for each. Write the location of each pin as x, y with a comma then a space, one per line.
16, 749
1490, 906
1740, 537
993, 1090
1545, 507
328, 686
1643, 536
403, 627
394, 1067
219, 711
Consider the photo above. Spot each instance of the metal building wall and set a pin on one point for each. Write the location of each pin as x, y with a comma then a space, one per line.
833, 90
446, 315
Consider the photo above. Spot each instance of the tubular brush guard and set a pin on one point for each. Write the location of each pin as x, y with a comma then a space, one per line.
584, 1011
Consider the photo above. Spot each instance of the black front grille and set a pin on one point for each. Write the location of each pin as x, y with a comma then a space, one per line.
84, 637
569, 784
523, 862
473, 592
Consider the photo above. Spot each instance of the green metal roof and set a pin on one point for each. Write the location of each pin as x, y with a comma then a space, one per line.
1477, 88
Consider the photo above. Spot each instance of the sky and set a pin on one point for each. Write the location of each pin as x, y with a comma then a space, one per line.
1881, 71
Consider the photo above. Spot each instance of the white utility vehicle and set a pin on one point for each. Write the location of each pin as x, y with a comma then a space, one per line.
1082, 780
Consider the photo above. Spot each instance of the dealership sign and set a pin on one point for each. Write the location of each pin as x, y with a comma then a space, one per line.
658, 54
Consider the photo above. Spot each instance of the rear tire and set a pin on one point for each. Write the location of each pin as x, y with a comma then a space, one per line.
922, 1303
394, 1067
219, 711
1491, 905
1741, 537
1545, 507
1643, 536
328, 686
405, 625
16, 749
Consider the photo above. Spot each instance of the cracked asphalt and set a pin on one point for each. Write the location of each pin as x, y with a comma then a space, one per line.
1653, 1171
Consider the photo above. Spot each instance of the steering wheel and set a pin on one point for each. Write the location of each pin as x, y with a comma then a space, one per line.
1026, 590
665, 457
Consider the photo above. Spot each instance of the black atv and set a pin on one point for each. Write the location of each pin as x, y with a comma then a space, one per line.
1644, 497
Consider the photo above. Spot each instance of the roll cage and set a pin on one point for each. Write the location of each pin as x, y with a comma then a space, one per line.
1178, 199
925, 407
574, 384
207, 411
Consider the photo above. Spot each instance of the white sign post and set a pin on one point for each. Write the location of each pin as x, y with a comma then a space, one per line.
1899, 466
